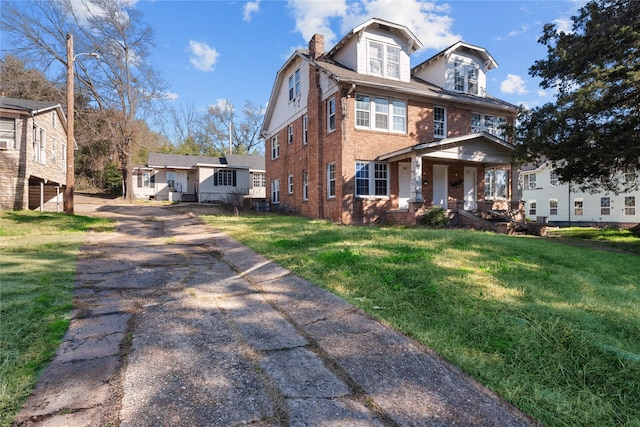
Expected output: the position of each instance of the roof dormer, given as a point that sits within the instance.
(378, 48)
(460, 68)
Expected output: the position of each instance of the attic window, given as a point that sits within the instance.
(465, 77)
(384, 60)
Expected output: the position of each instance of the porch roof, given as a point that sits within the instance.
(476, 147)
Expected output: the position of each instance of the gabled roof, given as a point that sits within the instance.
(28, 106)
(185, 161)
(416, 86)
(486, 57)
(413, 42)
(441, 144)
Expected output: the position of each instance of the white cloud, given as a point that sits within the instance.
(513, 84)
(426, 19)
(170, 96)
(542, 93)
(203, 57)
(222, 104)
(249, 9)
(563, 25)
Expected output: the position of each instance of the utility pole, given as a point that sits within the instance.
(68, 190)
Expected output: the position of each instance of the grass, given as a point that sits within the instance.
(37, 270)
(609, 237)
(553, 328)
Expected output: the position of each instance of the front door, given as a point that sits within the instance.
(470, 184)
(440, 188)
(404, 184)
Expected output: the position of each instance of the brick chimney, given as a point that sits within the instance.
(316, 46)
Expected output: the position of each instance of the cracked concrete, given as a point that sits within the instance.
(178, 324)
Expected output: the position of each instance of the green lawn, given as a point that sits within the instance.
(610, 238)
(37, 270)
(553, 328)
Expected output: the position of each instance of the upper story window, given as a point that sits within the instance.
(465, 77)
(294, 84)
(39, 147)
(530, 181)
(305, 130)
(488, 123)
(275, 148)
(384, 60)
(553, 178)
(331, 115)
(7, 133)
(439, 122)
(289, 134)
(388, 114)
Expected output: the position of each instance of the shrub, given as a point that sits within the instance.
(434, 217)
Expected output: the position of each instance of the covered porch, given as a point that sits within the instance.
(471, 173)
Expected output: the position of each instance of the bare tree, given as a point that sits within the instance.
(223, 130)
(122, 84)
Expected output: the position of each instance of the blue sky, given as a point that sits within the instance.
(209, 50)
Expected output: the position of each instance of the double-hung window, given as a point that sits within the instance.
(275, 148)
(578, 207)
(605, 205)
(439, 122)
(294, 84)
(372, 179)
(144, 179)
(465, 77)
(290, 184)
(275, 191)
(494, 125)
(630, 205)
(259, 180)
(533, 208)
(7, 133)
(305, 185)
(530, 181)
(553, 207)
(553, 178)
(384, 60)
(331, 115)
(305, 130)
(495, 183)
(289, 134)
(389, 115)
(331, 180)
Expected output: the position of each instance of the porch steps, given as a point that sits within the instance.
(188, 197)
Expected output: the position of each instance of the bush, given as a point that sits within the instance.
(434, 217)
(113, 178)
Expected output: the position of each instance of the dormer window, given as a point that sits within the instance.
(384, 60)
(465, 78)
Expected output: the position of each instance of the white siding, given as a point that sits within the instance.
(328, 87)
(386, 38)
(466, 60)
(591, 202)
(434, 73)
(286, 111)
(348, 54)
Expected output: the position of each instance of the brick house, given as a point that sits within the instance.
(33, 154)
(355, 135)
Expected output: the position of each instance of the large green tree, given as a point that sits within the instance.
(591, 133)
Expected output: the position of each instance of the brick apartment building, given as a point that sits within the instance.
(355, 135)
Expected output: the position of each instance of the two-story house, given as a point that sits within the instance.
(355, 135)
(33, 154)
(562, 203)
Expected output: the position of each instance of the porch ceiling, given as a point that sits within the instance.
(479, 147)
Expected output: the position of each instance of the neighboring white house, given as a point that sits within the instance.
(564, 204)
(178, 177)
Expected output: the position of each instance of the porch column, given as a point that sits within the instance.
(416, 178)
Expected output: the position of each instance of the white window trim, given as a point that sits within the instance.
(305, 130)
(290, 184)
(551, 208)
(580, 208)
(331, 113)
(533, 208)
(275, 191)
(371, 112)
(305, 185)
(630, 209)
(444, 122)
(9, 143)
(384, 61)
(275, 148)
(494, 130)
(289, 134)
(331, 178)
(371, 178)
(294, 85)
(605, 205)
